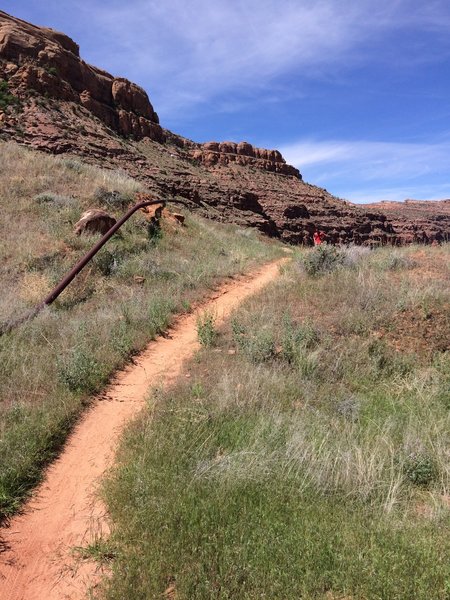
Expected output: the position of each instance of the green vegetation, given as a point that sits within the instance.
(206, 330)
(307, 455)
(6, 98)
(51, 366)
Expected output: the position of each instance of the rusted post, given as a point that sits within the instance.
(81, 264)
(92, 252)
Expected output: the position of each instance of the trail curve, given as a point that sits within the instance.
(37, 561)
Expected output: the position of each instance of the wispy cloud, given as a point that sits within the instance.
(371, 170)
(189, 53)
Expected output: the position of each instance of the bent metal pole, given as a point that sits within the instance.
(80, 265)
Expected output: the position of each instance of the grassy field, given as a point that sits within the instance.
(51, 367)
(307, 454)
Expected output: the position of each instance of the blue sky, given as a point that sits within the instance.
(354, 93)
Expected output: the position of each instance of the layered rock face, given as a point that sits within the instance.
(224, 153)
(49, 63)
(418, 221)
(57, 103)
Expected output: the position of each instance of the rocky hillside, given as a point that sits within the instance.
(51, 100)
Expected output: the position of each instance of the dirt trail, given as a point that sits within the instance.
(38, 561)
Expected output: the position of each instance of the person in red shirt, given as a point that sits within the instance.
(318, 237)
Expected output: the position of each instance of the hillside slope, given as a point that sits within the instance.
(129, 293)
(52, 100)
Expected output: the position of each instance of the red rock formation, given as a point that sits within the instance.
(49, 63)
(224, 153)
(418, 221)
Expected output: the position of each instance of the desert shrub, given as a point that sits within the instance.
(354, 256)
(395, 261)
(51, 70)
(81, 372)
(159, 313)
(112, 199)
(154, 231)
(52, 198)
(322, 259)
(386, 362)
(258, 344)
(349, 408)
(74, 165)
(206, 329)
(106, 262)
(122, 339)
(6, 98)
(296, 338)
(420, 468)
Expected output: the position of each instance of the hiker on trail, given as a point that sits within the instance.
(318, 237)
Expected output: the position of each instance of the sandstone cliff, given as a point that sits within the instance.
(51, 100)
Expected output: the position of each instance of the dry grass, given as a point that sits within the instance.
(307, 455)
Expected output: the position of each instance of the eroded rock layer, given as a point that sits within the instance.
(51, 100)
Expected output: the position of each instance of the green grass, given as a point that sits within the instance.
(6, 98)
(128, 295)
(306, 456)
(206, 329)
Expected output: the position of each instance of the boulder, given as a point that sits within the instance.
(94, 221)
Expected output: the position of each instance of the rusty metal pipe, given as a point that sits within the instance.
(81, 264)
(92, 252)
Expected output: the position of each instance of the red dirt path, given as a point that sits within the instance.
(65, 512)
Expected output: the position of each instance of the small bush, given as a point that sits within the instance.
(51, 70)
(206, 329)
(349, 409)
(80, 372)
(296, 338)
(322, 259)
(396, 262)
(52, 198)
(122, 339)
(74, 165)
(154, 231)
(106, 262)
(420, 469)
(6, 99)
(259, 346)
(159, 314)
(353, 256)
(112, 199)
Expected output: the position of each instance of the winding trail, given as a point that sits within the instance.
(38, 561)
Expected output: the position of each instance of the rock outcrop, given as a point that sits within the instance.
(49, 63)
(53, 101)
(243, 153)
(417, 221)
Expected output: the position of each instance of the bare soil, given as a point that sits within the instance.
(37, 557)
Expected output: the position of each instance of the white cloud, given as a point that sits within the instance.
(372, 170)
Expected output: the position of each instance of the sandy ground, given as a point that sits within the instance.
(38, 560)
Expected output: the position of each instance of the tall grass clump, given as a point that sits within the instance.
(303, 457)
(322, 259)
(206, 329)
